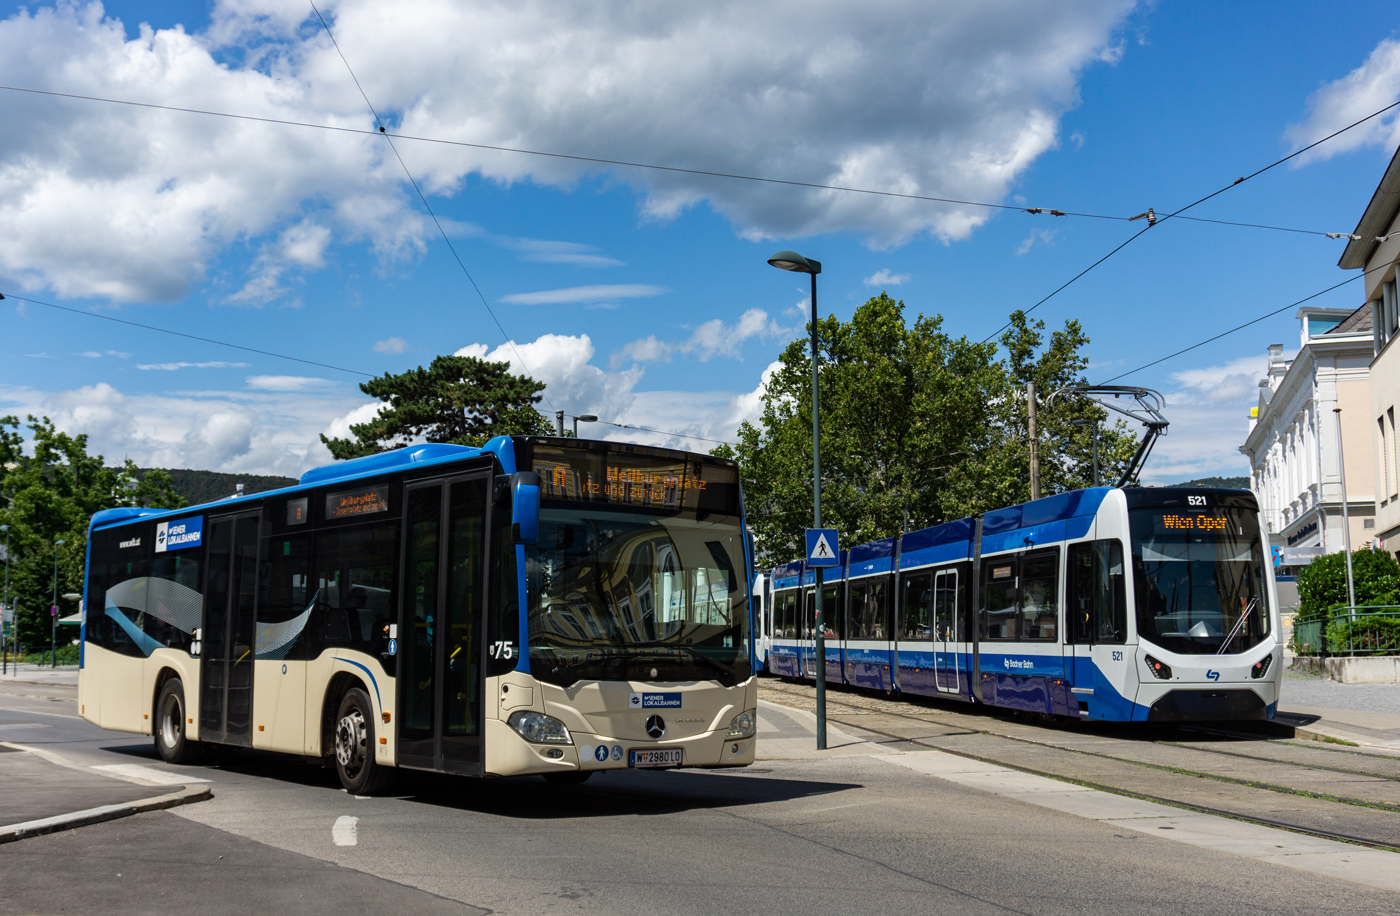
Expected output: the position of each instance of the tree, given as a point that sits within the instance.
(50, 495)
(458, 399)
(1322, 584)
(916, 425)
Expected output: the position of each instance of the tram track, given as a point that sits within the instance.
(1291, 799)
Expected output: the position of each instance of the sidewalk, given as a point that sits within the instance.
(24, 673)
(1364, 714)
(46, 793)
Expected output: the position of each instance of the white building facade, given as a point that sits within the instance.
(1293, 448)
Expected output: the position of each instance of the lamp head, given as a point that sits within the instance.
(1081, 422)
(586, 418)
(4, 527)
(791, 260)
(59, 543)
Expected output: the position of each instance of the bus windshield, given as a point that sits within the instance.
(618, 595)
(1199, 577)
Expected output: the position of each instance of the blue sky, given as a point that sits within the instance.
(645, 297)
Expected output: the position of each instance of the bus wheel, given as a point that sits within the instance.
(354, 746)
(570, 778)
(171, 742)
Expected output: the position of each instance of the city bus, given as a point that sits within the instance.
(538, 605)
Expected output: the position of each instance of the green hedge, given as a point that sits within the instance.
(1373, 634)
(67, 655)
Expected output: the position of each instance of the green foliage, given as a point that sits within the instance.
(67, 655)
(48, 495)
(457, 399)
(1323, 583)
(914, 419)
(199, 487)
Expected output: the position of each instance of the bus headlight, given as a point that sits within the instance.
(538, 728)
(1261, 667)
(743, 725)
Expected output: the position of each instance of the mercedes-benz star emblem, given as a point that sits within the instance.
(656, 727)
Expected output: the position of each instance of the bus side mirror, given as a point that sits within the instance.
(525, 507)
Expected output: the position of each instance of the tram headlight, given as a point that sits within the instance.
(743, 725)
(1160, 670)
(1261, 667)
(538, 728)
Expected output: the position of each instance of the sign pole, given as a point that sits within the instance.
(820, 621)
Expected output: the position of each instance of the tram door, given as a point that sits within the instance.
(808, 650)
(946, 658)
(226, 655)
(441, 626)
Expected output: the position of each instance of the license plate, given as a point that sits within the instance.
(663, 757)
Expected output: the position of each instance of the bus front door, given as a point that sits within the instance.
(440, 682)
(226, 656)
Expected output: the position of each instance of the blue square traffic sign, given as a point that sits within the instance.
(822, 547)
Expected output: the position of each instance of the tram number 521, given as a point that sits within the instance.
(502, 649)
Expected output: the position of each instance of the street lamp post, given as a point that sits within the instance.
(53, 610)
(5, 659)
(791, 260)
(583, 418)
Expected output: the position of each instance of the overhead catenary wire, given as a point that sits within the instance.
(426, 206)
(1153, 223)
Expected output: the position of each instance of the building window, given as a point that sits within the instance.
(1392, 467)
(1384, 455)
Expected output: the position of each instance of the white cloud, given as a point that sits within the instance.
(392, 345)
(251, 432)
(1209, 413)
(885, 278)
(286, 383)
(172, 367)
(711, 339)
(574, 294)
(134, 204)
(575, 254)
(1078, 138)
(1044, 236)
(563, 363)
(1370, 87)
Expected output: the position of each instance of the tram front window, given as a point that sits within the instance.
(1199, 578)
(614, 594)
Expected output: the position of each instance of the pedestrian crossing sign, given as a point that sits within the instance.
(822, 547)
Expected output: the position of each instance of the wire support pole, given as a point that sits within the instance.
(819, 621)
(1034, 440)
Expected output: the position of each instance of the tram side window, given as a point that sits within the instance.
(999, 599)
(945, 603)
(918, 598)
(869, 609)
(286, 598)
(833, 610)
(1040, 606)
(1098, 599)
(356, 578)
(809, 614)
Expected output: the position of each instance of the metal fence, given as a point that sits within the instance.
(1348, 631)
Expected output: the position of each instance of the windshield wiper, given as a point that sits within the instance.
(597, 660)
(1239, 624)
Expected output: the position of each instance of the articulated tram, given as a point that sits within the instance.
(1124, 605)
(535, 606)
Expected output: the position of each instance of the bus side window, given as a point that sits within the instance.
(285, 598)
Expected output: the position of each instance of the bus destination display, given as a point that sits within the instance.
(366, 501)
(623, 479)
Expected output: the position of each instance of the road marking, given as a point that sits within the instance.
(346, 832)
(1372, 867)
(24, 725)
(149, 774)
(35, 712)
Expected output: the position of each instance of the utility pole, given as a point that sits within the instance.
(559, 422)
(1035, 443)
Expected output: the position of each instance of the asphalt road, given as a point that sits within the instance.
(848, 833)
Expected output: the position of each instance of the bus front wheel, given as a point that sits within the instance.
(354, 746)
(172, 743)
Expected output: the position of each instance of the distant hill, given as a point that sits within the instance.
(206, 486)
(1237, 483)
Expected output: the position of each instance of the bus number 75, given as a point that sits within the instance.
(502, 649)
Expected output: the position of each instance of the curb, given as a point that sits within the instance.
(188, 795)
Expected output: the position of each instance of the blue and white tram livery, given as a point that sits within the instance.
(1134, 604)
